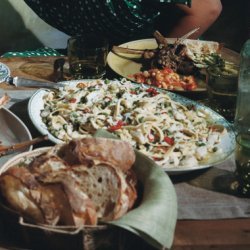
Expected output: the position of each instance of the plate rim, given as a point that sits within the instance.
(174, 170)
(35, 122)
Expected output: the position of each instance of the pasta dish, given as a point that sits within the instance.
(172, 134)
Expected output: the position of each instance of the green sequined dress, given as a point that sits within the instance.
(119, 20)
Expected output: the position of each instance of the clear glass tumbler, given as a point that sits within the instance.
(222, 89)
(87, 56)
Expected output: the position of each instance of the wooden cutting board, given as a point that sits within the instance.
(35, 68)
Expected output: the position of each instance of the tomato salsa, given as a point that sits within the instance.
(166, 78)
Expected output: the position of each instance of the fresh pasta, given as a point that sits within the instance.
(172, 134)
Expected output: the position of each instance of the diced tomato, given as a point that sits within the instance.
(140, 78)
(189, 83)
(166, 78)
(167, 71)
(169, 140)
(118, 125)
(151, 138)
(72, 100)
(152, 91)
(157, 158)
(190, 87)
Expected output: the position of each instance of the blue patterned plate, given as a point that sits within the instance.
(4, 72)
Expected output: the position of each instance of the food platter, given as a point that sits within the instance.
(12, 130)
(227, 145)
(126, 65)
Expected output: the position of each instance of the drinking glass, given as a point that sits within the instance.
(242, 160)
(87, 56)
(222, 89)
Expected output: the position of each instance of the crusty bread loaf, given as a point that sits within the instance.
(74, 184)
(131, 191)
(47, 163)
(83, 208)
(104, 185)
(37, 202)
(18, 197)
(91, 151)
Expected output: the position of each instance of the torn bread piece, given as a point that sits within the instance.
(83, 208)
(91, 151)
(46, 163)
(40, 203)
(57, 191)
(105, 186)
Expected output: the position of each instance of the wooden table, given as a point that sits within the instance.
(212, 234)
(190, 234)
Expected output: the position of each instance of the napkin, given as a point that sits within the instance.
(155, 218)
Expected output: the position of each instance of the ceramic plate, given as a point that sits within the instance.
(125, 67)
(227, 144)
(12, 130)
(4, 72)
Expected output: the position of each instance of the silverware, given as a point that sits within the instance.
(6, 150)
(23, 82)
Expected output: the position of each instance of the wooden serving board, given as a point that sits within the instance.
(35, 68)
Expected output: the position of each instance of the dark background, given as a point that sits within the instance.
(232, 28)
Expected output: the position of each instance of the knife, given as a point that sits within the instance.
(23, 82)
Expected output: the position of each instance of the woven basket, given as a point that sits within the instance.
(32, 236)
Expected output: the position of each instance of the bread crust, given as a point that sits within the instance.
(91, 151)
(39, 203)
(74, 184)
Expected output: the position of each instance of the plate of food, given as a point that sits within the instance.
(169, 63)
(179, 134)
(12, 130)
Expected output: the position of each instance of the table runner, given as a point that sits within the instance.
(203, 194)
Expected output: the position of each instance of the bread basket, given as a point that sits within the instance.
(33, 236)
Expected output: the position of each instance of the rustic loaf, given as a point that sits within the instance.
(92, 151)
(78, 183)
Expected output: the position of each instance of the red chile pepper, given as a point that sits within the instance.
(189, 86)
(157, 158)
(169, 140)
(151, 138)
(118, 125)
(72, 100)
(167, 71)
(152, 91)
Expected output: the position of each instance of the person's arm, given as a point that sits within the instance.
(202, 14)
